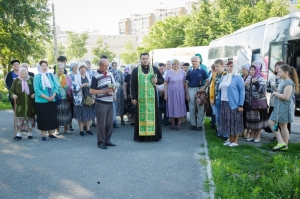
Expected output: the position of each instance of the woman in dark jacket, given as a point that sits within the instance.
(23, 93)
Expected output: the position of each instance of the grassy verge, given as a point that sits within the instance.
(4, 102)
(250, 172)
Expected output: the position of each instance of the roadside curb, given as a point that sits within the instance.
(208, 168)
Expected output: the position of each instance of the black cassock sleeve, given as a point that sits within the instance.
(134, 84)
(160, 79)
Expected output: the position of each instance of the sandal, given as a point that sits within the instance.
(278, 147)
(172, 126)
(122, 122)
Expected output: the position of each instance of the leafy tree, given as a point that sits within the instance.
(130, 54)
(102, 49)
(50, 52)
(23, 30)
(167, 33)
(76, 45)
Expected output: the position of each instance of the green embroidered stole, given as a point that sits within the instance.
(146, 103)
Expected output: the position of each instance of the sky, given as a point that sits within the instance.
(104, 15)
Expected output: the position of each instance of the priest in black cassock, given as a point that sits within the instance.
(144, 95)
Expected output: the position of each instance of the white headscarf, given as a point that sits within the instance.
(228, 77)
(44, 77)
(78, 75)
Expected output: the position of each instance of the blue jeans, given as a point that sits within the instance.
(216, 110)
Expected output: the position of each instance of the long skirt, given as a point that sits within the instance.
(231, 121)
(84, 113)
(257, 120)
(25, 123)
(64, 115)
(46, 116)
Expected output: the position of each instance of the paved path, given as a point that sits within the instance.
(74, 167)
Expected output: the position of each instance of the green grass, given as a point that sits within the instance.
(250, 172)
(4, 102)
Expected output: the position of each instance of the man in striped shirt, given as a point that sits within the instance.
(104, 103)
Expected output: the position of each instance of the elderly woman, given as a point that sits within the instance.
(129, 107)
(26, 66)
(45, 88)
(23, 93)
(64, 114)
(175, 94)
(232, 95)
(73, 69)
(245, 74)
(255, 86)
(81, 86)
(119, 104)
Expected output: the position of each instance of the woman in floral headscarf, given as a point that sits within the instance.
(64, 115)
(81, 88)
(23, 93)
(256, 120)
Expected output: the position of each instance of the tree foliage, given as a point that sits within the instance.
(23, 30)
(211, 20)
(50, 52)
(102, 49)
(76, 45)
(168, 33)
(130, 55)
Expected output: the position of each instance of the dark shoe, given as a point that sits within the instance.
(30, 137)
(81, 133)
(199, 128)
(172, 126)
(193, 127)
(132, 124)
(122, 122)
(17, 138)
(102, 146)
(94, 125)
(89, 132)
(224, 138)
(110, 144)
(44, 139)
(52, 136)
(71, 128)
(115, 125)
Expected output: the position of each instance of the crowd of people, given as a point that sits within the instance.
(154, 96)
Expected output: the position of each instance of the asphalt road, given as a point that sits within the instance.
(74, 167)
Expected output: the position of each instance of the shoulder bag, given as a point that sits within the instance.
(257, 104)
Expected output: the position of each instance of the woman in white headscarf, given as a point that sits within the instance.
(22, 91)
(46, 88)
(232, 95)
(81, 87)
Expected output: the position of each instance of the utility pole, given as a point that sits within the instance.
(54, 33)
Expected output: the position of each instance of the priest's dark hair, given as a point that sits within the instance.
(103, 57)
(62, 58)
(144, 54)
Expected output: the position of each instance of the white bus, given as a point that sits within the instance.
(269, 41)
(183, 54)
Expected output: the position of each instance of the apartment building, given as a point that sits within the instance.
(140, 24)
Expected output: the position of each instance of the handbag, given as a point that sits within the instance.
(257, 104)
(58, 99)
(88, 101)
